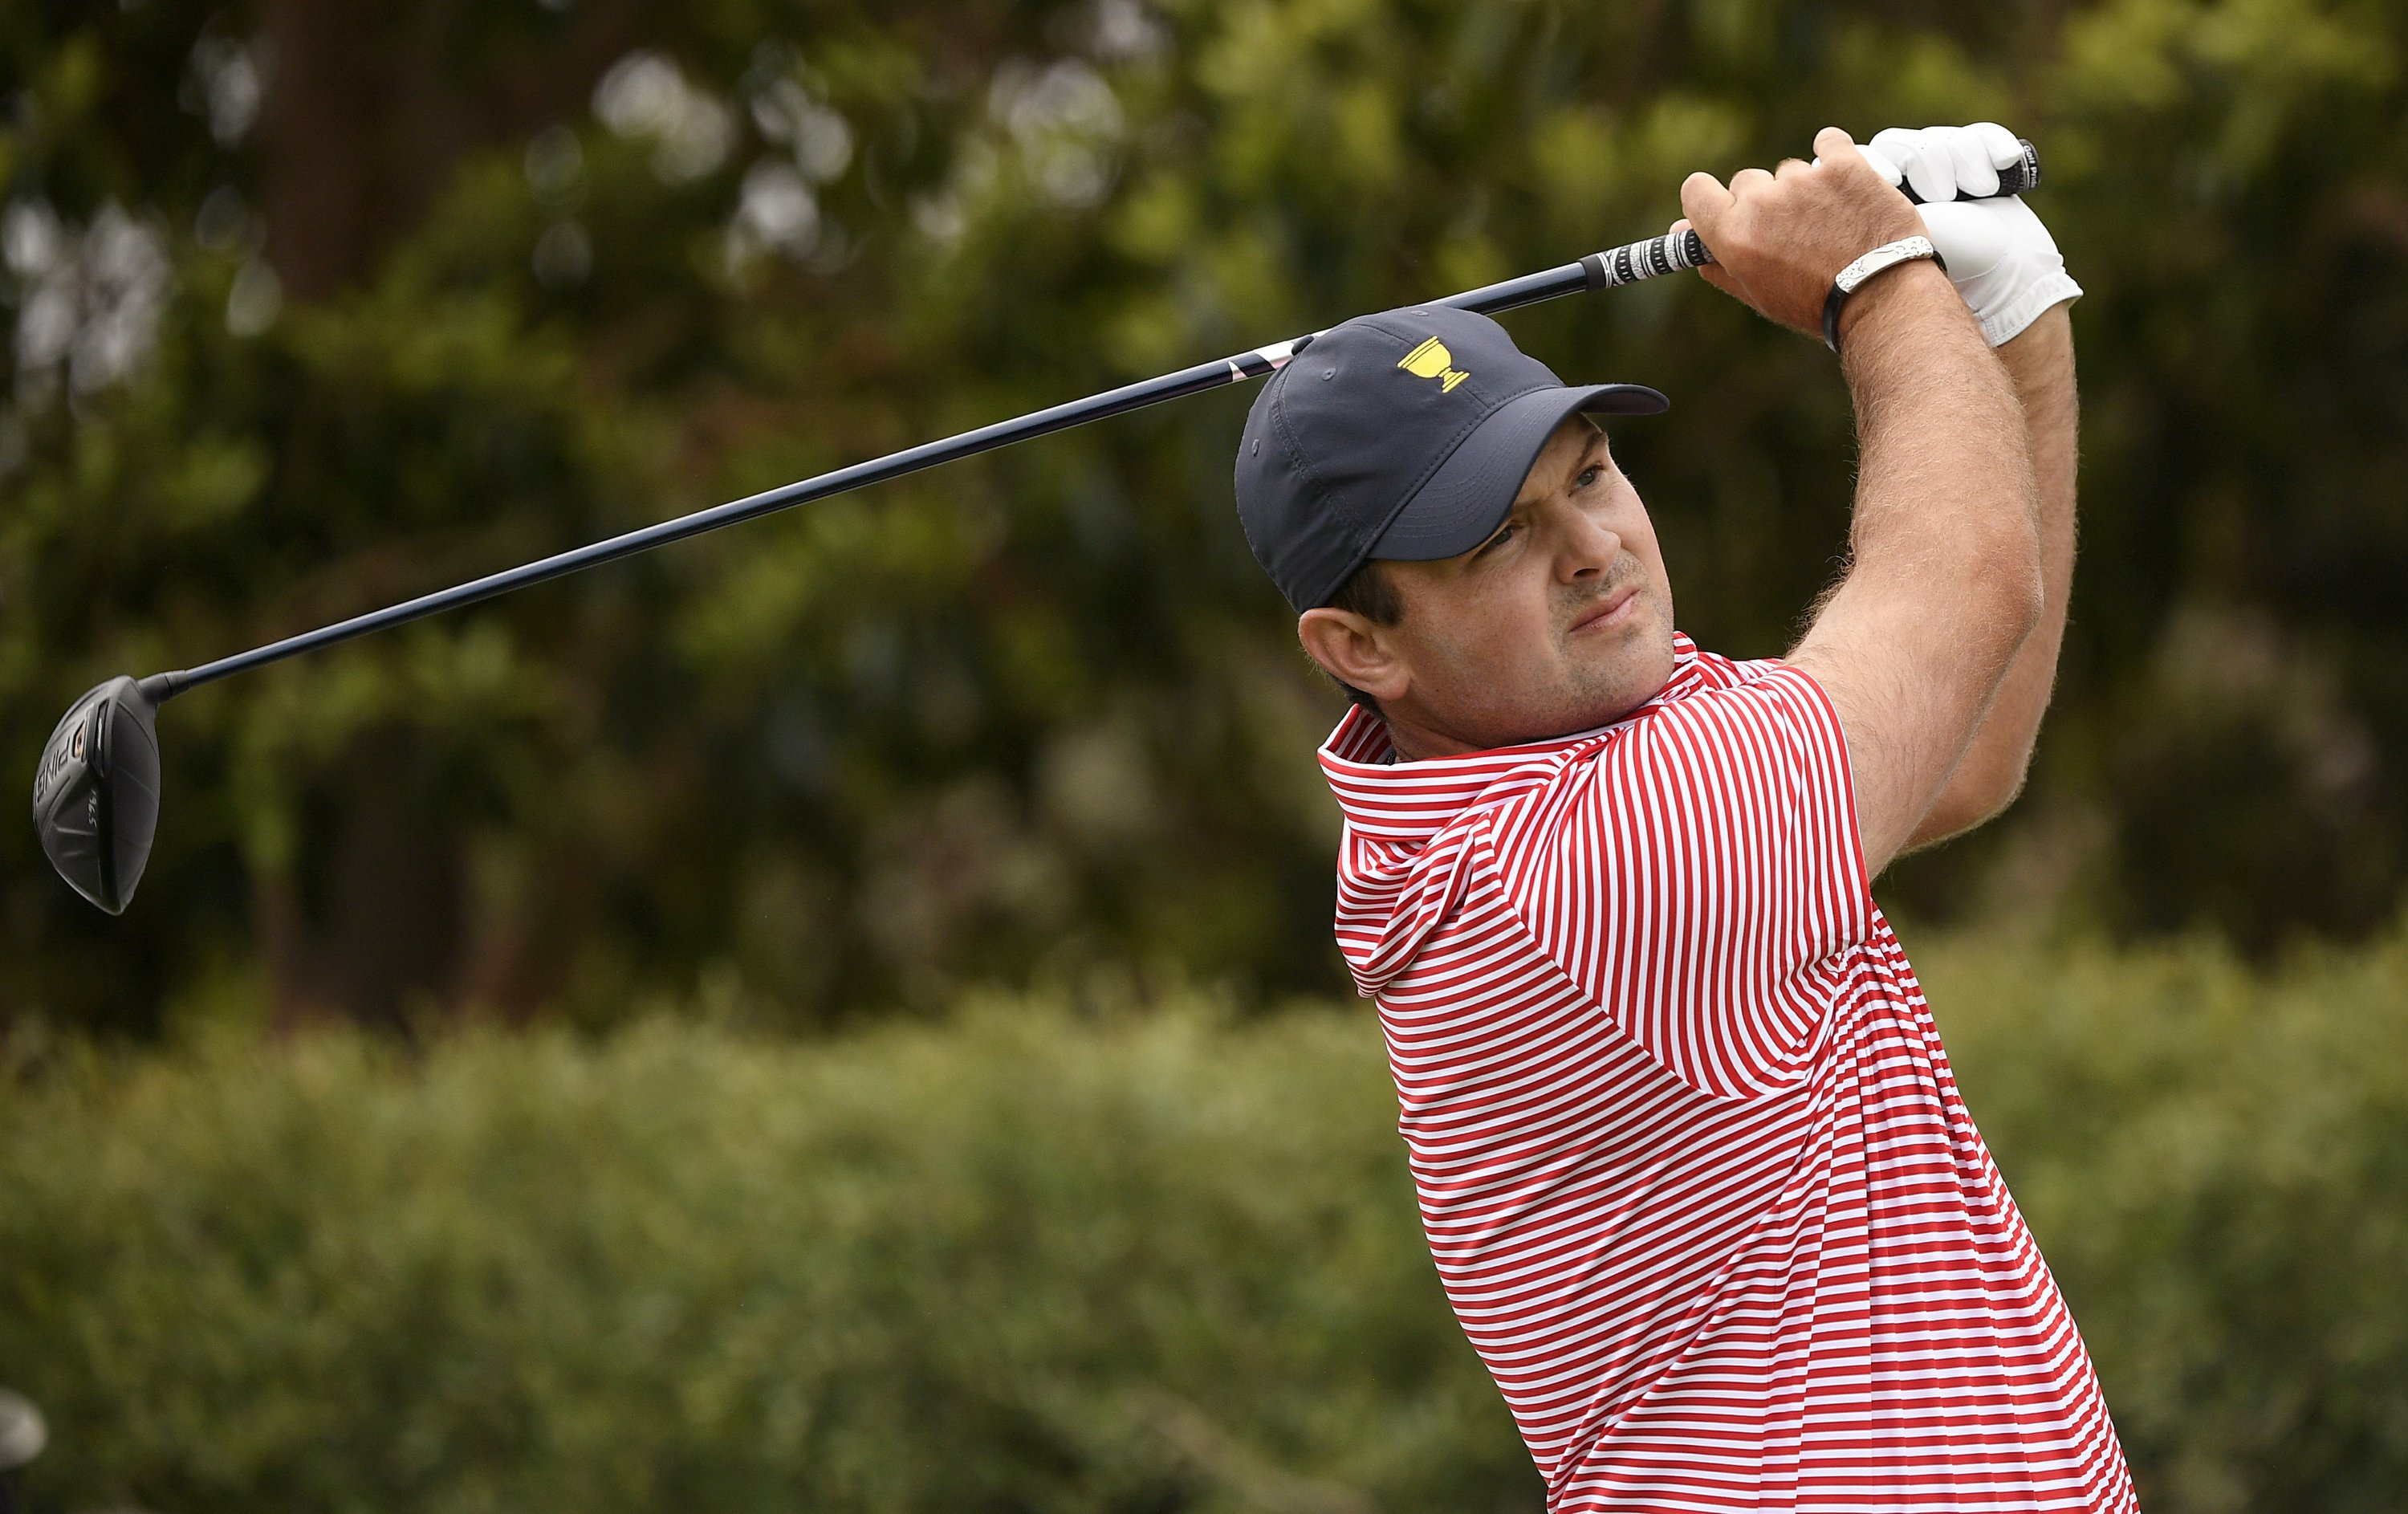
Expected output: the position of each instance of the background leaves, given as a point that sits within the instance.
(305, 320)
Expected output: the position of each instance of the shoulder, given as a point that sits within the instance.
(1710, 693)
(1700, 674)
(1713, 671)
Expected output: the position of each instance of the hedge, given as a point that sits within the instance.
(1032, 1261)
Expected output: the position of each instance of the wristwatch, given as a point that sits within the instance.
(1888, 255)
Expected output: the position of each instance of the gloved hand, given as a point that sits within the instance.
(2000, 257)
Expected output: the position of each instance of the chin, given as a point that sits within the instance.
(1586, 711)
(1635, 672)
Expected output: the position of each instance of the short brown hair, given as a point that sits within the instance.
(1370, 593)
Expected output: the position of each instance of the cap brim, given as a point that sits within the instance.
(1468, 495)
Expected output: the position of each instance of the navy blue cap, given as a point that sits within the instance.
(1403, 435)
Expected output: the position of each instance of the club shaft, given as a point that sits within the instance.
(1238, 368)
(877, 470)
(1648, 259)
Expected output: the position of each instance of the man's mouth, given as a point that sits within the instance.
(1608, 612)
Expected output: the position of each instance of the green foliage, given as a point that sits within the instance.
(1037, 1260)
(1024, 1263)
(1040, 712)
(2215, 1165)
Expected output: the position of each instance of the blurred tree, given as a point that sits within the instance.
(308, 318)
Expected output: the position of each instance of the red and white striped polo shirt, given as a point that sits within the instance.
(1692, 1164)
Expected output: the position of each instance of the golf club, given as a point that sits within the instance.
(96, 789)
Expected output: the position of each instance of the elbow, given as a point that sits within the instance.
(1993, 786)
(2029, 575)
(2008, 592)
(1983, 789)
(2027, 603)
(2024, 570)
(2021, 573)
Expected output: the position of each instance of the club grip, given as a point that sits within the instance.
(1650, 259)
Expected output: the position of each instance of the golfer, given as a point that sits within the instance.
(1691, 1157)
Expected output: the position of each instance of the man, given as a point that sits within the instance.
(1691, 1160)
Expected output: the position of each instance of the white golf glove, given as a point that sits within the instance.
(2000, 257)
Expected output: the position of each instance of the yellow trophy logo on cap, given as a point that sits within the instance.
(1431, 360)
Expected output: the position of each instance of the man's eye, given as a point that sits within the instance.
(1503, 534)
(1591, 474)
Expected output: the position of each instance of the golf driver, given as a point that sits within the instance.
(96, 790)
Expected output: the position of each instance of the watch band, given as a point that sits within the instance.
(1888, 255)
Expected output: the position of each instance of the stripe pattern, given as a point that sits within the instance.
(1693, 1166)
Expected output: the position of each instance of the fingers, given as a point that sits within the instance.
(1706, 201)
(1904, 148)
(1877, 163)
(1711, 273)
(1976, 177)
(1890, 173)
(1832, 144)
(2003, 148)
(1946, 163)
(1703, 202)
(1895, 143)
(1924, 160)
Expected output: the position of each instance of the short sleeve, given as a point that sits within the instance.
(1701, 875)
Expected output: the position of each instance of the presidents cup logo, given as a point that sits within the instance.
(1431, 360)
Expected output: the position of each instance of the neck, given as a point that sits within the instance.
(1417, 739)
(1417, 742)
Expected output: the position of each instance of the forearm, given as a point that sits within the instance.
(2040, 363)
(1943, 482)
(1944, 586)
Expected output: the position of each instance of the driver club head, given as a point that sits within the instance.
(96, 792)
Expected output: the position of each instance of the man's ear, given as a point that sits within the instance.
(1353, 650)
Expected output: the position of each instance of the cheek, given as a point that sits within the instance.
(1481, 636)
(1629, 519)
(1512, 634)
(1638, 533)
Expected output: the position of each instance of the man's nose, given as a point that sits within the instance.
(1589, 547)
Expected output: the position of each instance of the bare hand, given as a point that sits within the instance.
(1778, 238)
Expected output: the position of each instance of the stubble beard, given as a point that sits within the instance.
(1609, 681)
